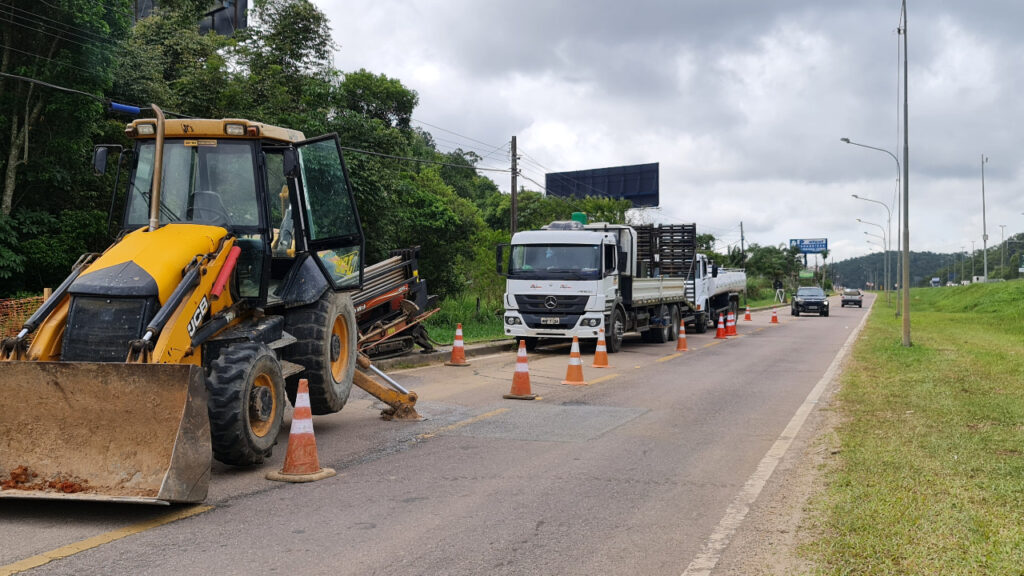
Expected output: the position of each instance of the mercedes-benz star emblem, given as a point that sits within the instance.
(550, 302)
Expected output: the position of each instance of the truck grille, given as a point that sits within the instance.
(99, 329)
(555, 305)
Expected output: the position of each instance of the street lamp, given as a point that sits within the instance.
(984, 229)
(899, 262)
(973, 271)
(1002, 240)
(885, 249)
(888, 221)
(963, 260)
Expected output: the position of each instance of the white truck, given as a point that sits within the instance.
(573, 279)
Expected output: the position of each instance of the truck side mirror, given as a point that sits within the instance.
(609, 259)
(99, 160)
(500, 258)
(622, 267)
(290, 162)
(714, 270)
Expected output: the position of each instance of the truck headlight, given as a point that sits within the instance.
(512, 320)
(592, 322)
(826, 302)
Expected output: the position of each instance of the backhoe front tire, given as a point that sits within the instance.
(246, 403)
(326, 346)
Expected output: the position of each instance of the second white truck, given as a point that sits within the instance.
(573, 279)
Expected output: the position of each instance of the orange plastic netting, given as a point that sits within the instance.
(15, 311)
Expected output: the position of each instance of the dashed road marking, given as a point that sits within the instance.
(463, 423)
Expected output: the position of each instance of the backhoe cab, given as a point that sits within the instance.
(228, 282)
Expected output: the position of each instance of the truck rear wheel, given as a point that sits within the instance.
(674, 329)
(246, 403)
(616, 327)
(659, 332)
(326, 347)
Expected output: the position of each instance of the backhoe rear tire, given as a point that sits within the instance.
(246, 403)
(326, 346)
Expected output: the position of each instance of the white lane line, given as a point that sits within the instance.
(719, 540)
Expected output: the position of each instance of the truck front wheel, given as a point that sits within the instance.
(616, 327)
(674, 329)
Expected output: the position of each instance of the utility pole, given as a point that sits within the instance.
(984, 227)
(515, 172)
(1002, 240)
(743, 249)
(973, 271)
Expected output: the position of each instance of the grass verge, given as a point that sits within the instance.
(930, 478)
(479, 323)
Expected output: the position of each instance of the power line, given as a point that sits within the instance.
(421, 160)
(455, 133)
(60, 36)
(87, 34)
(104, 101)
(57, 62)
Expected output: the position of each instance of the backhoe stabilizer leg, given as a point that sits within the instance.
(401, 406)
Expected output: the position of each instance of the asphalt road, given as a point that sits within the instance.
(630, 474)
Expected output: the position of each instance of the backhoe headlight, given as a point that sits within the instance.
(146, 129)
(234, 129)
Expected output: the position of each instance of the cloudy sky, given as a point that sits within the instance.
(743, 104)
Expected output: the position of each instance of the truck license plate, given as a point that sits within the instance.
(550, 320)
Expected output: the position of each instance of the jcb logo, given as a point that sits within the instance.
(197, 316)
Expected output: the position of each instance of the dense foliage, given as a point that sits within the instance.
(279, 71)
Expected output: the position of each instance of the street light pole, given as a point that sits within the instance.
(888, 221)
(984, 228)
(963, 259)
(906, 192)
(885, 243)
(899, 264)
(1002, 240)
(973, 271)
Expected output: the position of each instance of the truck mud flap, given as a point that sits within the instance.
(103, 431)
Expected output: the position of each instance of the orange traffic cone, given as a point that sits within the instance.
(574, 375)
(681, 340)
(521, 379)
(601, 352)
(720, 333)
(300, 462)
(746, 317)
(775, 317)
(458, 349)
(730, 324)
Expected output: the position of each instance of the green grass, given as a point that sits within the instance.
(930, 477)
(477, 326)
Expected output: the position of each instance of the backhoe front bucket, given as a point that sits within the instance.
(104, 431)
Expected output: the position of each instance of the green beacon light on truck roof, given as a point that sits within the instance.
(580, 217)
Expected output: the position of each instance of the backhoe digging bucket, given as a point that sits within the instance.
(103, 431)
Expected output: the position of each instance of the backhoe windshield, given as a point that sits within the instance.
(557, 261)
(206, 181)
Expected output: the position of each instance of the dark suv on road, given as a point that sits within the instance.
(810, 299)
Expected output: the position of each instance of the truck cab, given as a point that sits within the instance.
(563, 280)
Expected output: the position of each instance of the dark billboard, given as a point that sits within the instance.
(637, 183)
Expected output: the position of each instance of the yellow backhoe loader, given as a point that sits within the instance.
(228, 282)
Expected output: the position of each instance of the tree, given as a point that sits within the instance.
(69, 43)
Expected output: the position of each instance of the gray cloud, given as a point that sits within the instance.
(742, 103)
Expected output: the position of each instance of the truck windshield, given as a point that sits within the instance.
(556, 261)
(206, 181)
